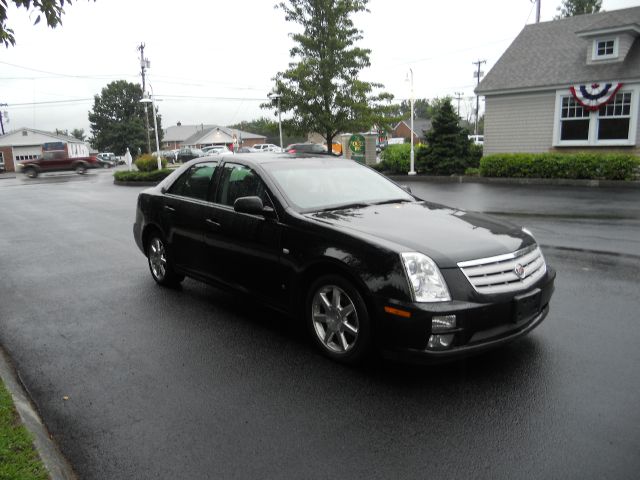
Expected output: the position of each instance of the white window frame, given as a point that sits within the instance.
(594, 50)
(592, 140)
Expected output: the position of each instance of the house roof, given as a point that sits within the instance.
(215, 134)
(16, 138)
(554, 53)
(203, 134)
(420, 125)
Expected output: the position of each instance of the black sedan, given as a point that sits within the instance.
(365, 264)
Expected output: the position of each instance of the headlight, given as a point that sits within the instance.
(425, 279)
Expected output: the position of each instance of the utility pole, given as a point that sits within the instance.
(2, 117)
(458, 98)
(144, 64)
(538, 2)
(478, 74)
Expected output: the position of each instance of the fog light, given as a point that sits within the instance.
(440, 342)
(443, 324)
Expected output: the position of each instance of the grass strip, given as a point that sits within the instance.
(18, 458)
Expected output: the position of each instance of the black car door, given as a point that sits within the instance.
(243, 249)
(183, 216)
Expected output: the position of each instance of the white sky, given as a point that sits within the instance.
(212, 61)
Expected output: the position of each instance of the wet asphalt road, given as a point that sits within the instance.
(198, 383)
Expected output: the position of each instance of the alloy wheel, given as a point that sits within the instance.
(157, 259)
(335, 319)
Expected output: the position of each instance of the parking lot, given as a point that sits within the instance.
(199, 383)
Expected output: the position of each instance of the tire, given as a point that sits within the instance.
(81, 169)
(160, 262)
(338, 320)
(31, 172)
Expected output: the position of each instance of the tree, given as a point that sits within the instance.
(51, 9)
(78, 133)
(117, 119)
(570, 8)
(322, 88)
(421, 108)
(448, 143)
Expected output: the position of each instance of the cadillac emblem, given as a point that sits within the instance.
(519, 271)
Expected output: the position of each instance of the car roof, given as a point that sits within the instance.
(268, 157)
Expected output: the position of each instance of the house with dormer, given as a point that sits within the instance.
(566, 85)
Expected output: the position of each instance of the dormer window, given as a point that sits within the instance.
(605, 48)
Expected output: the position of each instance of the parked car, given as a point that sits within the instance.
(187, 153)
(314, 148)
(267, 147)
(217, 150)
(247, 150)
(57, 161)
(477, 139)
(362, 262)
(107, 160)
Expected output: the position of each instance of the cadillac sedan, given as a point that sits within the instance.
(362, 262)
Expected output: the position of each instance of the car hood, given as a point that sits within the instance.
(445, 234)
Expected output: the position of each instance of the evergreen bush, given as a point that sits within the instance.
(148, 163)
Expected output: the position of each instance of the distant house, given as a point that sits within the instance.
(206, 135)
(420, 128)
(567, 84)
(29, 143)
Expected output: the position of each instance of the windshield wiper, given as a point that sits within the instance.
(344, 207)
(394, 200)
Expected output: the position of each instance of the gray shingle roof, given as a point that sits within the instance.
(197, 134)
(550, 54)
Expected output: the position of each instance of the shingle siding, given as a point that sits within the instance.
(519, 123)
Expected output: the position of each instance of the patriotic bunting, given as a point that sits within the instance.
(594, 96)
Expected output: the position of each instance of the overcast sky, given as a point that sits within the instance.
(213, 61)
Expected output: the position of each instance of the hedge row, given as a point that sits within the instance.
(133, 176)
(594, 166)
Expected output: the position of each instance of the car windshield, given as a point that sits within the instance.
(314, 184)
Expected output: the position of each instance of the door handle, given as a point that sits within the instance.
(213, 223)
(169, 209)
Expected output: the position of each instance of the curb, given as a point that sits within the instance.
(57, 466)
(561, 182)
(123, 183)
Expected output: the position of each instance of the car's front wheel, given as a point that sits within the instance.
(338, 319)
(160, 263)
(81, 169)
(31, 172)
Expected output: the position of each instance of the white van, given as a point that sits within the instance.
(477, 139)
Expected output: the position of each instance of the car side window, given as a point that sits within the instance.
(240, 181)
(194, 183)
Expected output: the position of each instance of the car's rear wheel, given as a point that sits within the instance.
(338, 319)
(81, 169)
(160, 262)
(31, 172)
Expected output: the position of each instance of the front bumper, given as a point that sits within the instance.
(480, 325)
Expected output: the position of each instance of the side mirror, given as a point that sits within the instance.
(407, 188)
(252, 206)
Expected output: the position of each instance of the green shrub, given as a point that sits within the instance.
(148, 163)
(472, 172)
(153, 176)
(395, 158)
(596, 165)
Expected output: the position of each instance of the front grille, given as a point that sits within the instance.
(498, 274)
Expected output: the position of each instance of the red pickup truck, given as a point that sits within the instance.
(57, 161)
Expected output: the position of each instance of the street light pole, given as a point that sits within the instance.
(155, 123)
(411, 168)
(277, 96)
